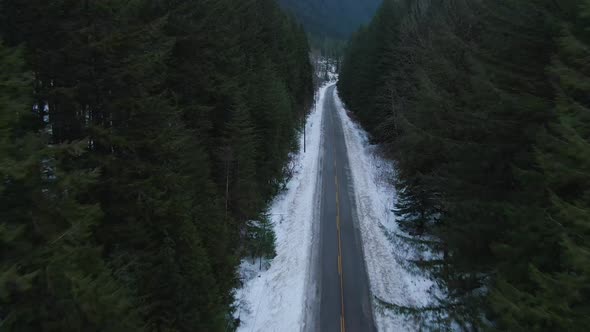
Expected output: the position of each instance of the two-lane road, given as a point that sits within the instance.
(344, 288)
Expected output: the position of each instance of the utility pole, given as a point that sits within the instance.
(304, 125)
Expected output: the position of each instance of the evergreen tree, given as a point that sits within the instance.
(240, 142)
(480, 105)
(110, 170)
(50, 263)
(555, 296)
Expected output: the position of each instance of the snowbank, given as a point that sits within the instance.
(392, 278)
(276, 299)
(280, 298)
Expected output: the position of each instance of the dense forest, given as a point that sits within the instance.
(137, 138)
(484, 108)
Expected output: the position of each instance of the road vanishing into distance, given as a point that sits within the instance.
(345, 303)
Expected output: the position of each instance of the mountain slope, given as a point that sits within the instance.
(336, 19)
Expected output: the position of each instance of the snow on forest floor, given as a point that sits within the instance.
(392, 278)
(275, 299)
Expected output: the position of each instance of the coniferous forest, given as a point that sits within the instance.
(137, 138)
(483, 106)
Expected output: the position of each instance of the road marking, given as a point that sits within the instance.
(337, 203)
(342, 328)
(342, 325)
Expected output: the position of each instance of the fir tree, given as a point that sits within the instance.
(117, 214)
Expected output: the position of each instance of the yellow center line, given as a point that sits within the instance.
(337, 202)
(339, 265)
(342, 325)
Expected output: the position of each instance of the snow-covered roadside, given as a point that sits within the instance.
(275, 299)
(391, 278)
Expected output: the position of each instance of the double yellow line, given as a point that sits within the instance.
(342, 324)
(342, 327)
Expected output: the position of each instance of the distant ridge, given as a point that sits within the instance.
(335, 19)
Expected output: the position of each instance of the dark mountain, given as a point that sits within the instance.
(336, 19)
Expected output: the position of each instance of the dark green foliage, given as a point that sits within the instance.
(556, 294)
(261, 241)
(132, 156)
(483, 107)
(328, 47)
(50, 263)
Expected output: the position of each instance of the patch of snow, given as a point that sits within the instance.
(275, 299)
(392, 278)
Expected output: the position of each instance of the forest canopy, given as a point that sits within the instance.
(483, 106)
(137, 139)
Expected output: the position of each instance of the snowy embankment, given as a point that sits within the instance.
(275, 299)
(392, 278)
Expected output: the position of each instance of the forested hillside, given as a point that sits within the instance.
(334, 19)
(483, 106)
(137, 138)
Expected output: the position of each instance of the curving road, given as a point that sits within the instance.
(343, 285)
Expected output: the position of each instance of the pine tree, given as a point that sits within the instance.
(240, 141)
(556, 294)
(50, 263)
(475, 102)
(113, 173)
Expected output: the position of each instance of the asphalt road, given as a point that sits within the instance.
(344, 288)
